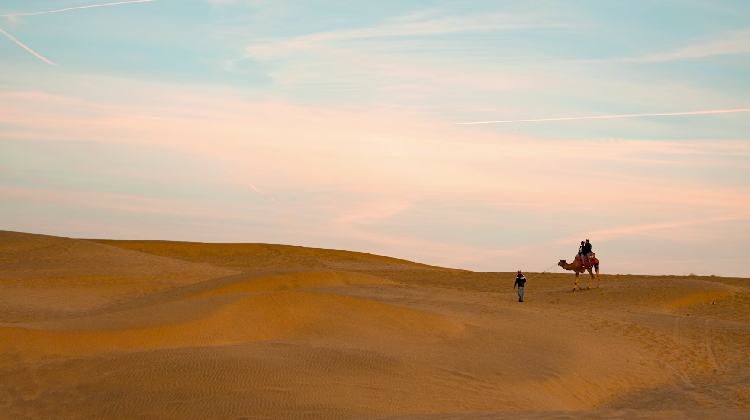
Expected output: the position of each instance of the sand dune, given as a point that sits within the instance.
(267, 316)
(156, 329)
(46, 277)
(264, 256)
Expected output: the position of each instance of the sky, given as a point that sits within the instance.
(343, 124)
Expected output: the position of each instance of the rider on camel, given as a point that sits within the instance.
(587, 251)
(581, 255)
(584, 251)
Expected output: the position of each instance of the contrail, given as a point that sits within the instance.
(77, 7)
(37, 55)
(608, 117)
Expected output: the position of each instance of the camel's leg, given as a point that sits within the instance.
(592, 278)
(577, 285)
(598, 279)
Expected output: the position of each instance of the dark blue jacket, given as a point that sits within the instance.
(520, 281)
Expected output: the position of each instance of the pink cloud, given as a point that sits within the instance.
(379, 151)
(394, 159)
(664, 229)
(129, 203)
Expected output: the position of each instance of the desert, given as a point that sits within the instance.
(158, 329)
(373, 210)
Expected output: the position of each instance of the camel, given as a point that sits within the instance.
(577, 267)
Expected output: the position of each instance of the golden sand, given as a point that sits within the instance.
(171, 330)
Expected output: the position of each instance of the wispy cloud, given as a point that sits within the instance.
(621, 232)
(608, 117)
(370, 176)
(91, 6)
(254, 188)
(25, 47)
(410, 26)
(112, 201)
(737, 42)
(392, 58)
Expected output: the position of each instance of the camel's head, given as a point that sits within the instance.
(562, 263)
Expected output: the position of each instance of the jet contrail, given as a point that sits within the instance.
(37, 55)
(77, 7)
(607, 117)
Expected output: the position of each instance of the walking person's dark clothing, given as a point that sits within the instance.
(520, 282)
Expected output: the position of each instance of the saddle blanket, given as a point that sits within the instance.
(592, 261)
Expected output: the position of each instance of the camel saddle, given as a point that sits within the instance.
(592, 261)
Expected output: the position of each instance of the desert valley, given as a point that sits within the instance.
(174, 330)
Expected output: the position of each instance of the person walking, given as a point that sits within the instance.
(520, 282)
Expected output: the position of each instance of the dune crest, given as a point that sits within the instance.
(285, 315)
(291, 281)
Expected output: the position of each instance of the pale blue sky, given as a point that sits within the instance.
(332, 124)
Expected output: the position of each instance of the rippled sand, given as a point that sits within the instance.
(170, 330)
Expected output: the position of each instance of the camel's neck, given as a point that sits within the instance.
(572, 266)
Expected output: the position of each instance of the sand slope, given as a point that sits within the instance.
(252, 257)
(46, 277)
(142, 329)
